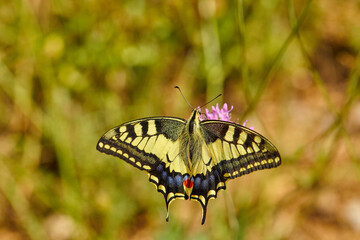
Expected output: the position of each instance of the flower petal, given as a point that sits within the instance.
(217, 113)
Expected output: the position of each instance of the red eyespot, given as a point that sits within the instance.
(188, 182)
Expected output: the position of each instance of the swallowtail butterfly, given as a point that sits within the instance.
(189, 159)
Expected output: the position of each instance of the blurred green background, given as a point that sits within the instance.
(71, 70)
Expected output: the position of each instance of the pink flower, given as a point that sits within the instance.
(244, 123)
(219, 114)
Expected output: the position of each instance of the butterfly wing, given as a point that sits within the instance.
(151, 144)
(229, 151)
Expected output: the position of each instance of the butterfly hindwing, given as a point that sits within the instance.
(150, 144)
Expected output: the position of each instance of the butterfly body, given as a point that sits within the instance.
(189, 159)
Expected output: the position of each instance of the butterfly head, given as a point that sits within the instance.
(194, 120)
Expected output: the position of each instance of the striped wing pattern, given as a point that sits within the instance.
(234, 151)
(148, 144)
(156, 145)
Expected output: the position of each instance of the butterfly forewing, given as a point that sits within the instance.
(239, 149)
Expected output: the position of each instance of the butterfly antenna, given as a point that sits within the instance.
(184, 96)
(211, 100)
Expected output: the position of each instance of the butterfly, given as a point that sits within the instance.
(189, 159)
